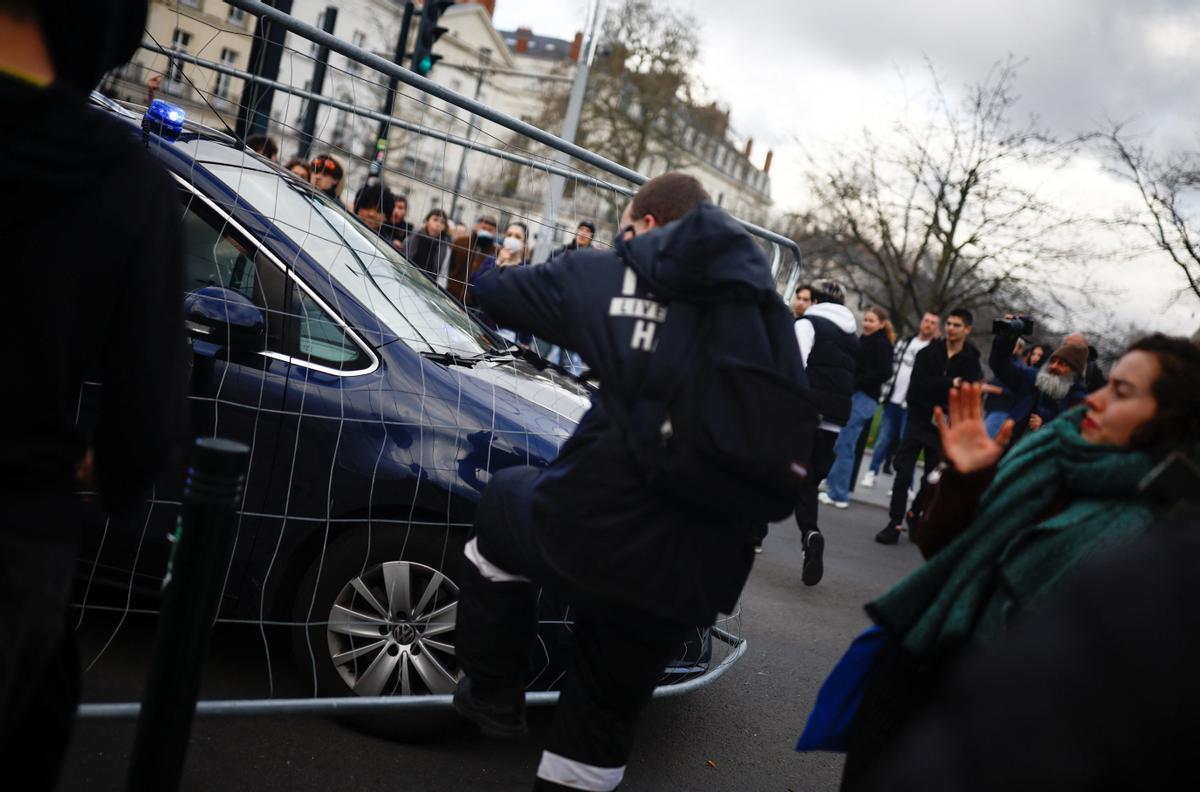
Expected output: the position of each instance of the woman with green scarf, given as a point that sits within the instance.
(1002, 534)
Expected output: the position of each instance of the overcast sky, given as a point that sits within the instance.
(813, 74)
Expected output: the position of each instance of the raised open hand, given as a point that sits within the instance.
(965, 441)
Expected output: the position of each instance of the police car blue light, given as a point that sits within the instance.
(164, 119)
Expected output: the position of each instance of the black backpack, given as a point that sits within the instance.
(721, 422)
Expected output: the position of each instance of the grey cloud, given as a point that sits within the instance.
(1086, 59)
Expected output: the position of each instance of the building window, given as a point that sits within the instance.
(342, 128)
(190, 3)
(228, 58)
(313, 47)
(236, 16)
(358, 39)
(180, 40)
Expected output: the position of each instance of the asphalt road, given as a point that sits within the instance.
(736, 734)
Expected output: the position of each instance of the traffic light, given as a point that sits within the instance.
(427, 34)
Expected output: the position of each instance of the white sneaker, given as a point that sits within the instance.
(868, 479)
(828, 501)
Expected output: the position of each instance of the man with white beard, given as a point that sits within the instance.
(1039, 394)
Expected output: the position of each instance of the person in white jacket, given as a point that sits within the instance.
(829, 346)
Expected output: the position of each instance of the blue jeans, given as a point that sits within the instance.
(891, 429)
(862, 410)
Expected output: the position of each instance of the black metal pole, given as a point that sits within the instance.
(192, 589)
(266, 52)
(389, 101)
(318, 84)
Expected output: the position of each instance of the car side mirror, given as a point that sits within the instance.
(224, 317)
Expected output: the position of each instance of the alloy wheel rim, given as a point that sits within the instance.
(391, 631)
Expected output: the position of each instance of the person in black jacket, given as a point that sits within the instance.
(106, 310)
(428, 246)
(397, 229)
(873, 370)
(942, 365)
(373, 204)
(643, 570)
(829, 349)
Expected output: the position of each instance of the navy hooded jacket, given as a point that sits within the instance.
(1021, 380)
(603, 528)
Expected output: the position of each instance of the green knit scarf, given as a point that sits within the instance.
(1006, 560)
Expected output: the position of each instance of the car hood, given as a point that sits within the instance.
(546, 388)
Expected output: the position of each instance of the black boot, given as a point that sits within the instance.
(812, 569)
(496, 716)
(889, 535)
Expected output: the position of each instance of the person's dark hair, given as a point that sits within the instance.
(433, 213)
(1045, 358)
(1176, 422)
(404, 200)
(828, 291)
(263, 144)
(487, 219)
(588, 224)
(295, 162)
(669, 197)
(802, 287)
(964, 314)
(376, 196)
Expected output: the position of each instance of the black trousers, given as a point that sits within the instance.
(818, 469)
(39, 672)
(916, 439)
(619, 651)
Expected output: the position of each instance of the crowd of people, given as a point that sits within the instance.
(902, 382)
(1043, 589)
(440, 247)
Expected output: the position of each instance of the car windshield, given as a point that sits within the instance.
(398, 294)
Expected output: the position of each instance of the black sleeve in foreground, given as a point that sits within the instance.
(1096, 690)
(529, 298)
(143, 408)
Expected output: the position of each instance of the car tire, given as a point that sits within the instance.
(380, 607)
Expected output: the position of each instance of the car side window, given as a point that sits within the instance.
(321, 340)
(216, 255)
(297, 326)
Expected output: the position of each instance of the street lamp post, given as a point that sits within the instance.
(556, 184)
(485, 55)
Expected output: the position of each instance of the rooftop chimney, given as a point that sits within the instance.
(490, 5)
(767, 164)
(523, 35)
(749, 147)
(576, 47)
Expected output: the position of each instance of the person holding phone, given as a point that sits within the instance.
(512, 253)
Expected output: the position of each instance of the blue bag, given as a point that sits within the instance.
(828, 727)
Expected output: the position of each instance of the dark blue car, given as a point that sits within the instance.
(375, 408)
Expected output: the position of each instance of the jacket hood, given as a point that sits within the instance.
(840, 315)
(702, 255)
(86, 38)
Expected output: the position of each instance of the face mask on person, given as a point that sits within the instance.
(513, 244)
(484, 238)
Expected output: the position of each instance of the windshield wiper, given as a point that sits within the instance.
(452, 359)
